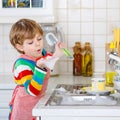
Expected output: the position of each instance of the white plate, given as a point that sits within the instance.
(107, 90)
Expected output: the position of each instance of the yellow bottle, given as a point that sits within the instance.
(110, 72)
(87, 61)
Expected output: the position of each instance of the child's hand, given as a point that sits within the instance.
(41, 65)
(58, 49)
(60, 45)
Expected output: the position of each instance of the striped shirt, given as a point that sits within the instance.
(27, 74)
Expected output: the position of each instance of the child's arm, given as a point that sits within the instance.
(49, 61)
(26, 73)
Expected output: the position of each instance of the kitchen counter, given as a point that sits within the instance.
(72, 112)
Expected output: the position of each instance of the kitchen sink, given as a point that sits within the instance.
(74, 95)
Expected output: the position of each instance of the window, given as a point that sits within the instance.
(38, 9)
(23, 3)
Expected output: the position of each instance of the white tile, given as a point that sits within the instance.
(6, 40)
(73, 15)
(72, 39)
(1, 67)
(100, 15)
(113, 4)
(1, 39)
(87, 3)
(100, 3)
(6, 29)
(87, 28)
(100, 28)
(74, 28)
(11, 55)
(73, 4)
(113, 14)
(100, 40)
(99, 53)
(64, 26)
(86, 15)
(8, 68)
(61, 3)
(99, 66)
(1, 29)
(87, 38)
(62, 15)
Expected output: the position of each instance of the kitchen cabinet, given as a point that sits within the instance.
(6, 91)
(42, 11)
(80, 118)
(5, 96)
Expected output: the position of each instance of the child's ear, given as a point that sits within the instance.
(19, 47)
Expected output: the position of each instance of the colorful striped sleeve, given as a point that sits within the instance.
(31, 77)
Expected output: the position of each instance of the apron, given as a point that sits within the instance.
(22, 103)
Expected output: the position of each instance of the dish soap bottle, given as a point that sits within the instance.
(87, 61)
(110, 64)
(77, 61)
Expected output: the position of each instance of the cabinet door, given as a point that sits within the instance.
(4, 114)
(5, 97)
(80, 118)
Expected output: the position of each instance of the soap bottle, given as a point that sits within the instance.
(110, 64)
(87, 61)
(77, 61)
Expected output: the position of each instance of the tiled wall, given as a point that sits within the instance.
(89, 20)
(7, 52)
(81, 20)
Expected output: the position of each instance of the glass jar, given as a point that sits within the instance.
(87, 61)
(77, 61)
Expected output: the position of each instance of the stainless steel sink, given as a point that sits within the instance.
(74, 95)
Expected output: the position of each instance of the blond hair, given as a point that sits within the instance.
(24, 29)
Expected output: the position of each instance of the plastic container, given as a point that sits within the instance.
(110, 78)
(98, 84)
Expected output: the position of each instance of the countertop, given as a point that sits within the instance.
(65, 111)
(7, 82)
(81, 111)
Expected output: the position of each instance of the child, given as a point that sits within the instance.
(30, 75)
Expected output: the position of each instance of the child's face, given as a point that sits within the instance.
(33, 47)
